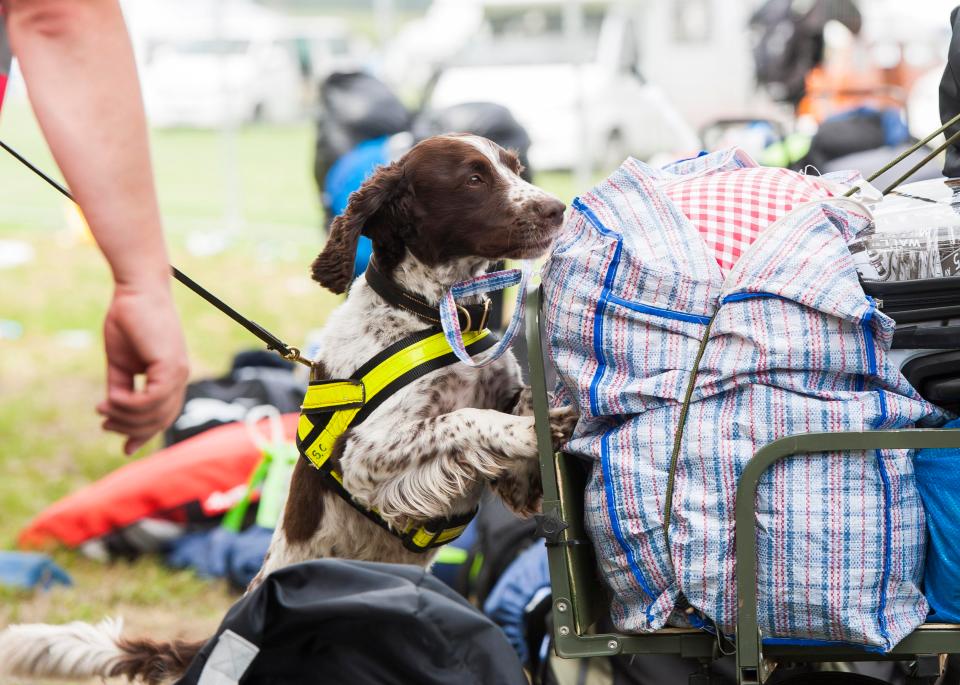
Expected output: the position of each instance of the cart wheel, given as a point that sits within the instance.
(831, 678)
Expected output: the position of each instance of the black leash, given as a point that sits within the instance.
(269, 339)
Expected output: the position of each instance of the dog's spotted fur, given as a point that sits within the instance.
(442, 214)
(426, 452)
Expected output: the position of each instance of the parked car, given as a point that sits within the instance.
(211, 62)
(576, 92)
(207, 82)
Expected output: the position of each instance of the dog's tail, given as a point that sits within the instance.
(84, 650)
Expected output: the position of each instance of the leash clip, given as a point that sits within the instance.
(292, 354)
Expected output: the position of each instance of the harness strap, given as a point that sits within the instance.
(331, 395)
(332, 407)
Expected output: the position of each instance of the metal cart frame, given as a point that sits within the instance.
(579, 600)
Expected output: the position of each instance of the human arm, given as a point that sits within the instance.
(77, 61)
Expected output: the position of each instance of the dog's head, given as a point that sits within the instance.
(449, 197)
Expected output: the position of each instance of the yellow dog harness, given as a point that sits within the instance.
(331, 407)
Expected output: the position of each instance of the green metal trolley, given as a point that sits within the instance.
(579, 600)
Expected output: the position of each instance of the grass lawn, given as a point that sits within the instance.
(52, 374)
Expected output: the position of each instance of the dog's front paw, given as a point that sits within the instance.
(523, 405)
(562, 422)
(521, 489)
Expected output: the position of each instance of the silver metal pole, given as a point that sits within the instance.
(228, 139)
(573, 30)
(385, 19)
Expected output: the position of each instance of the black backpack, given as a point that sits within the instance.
(788, 41)
(354, 107)
(950, 96)
(347, 622)
(856, 130)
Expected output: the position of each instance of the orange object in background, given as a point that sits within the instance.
(849, 78)
(834, 90)
(202, 476)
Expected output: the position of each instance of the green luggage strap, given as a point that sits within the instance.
(331, 407)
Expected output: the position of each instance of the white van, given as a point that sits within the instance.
(579, 92)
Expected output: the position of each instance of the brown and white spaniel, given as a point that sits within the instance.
(441, 214)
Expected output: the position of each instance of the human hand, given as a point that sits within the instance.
(142, 335)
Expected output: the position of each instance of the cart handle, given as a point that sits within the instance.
(751, 668)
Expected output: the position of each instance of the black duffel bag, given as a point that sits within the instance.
(354, 107)
(487, 119)
(256, 378)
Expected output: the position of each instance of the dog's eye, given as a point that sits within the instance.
(475, 180)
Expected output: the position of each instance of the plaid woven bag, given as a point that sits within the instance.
(790, 345)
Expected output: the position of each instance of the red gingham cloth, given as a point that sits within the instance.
(731, 208)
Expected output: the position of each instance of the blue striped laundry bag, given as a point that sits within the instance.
(792, 346)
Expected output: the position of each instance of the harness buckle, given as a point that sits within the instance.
(486, 314)
(466, 314)
(423, 537)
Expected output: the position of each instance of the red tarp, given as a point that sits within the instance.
(200, 469)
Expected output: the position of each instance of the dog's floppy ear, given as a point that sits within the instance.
(333, 267)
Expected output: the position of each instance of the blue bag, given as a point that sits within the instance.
(519, 586)
(938, 479)
(346, 175)
(222, 553)
(30, 570)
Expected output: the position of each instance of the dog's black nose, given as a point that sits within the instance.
(551, 210)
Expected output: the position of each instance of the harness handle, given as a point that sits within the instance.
(272, 342)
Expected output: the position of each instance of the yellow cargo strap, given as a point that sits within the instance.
(331, 407)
